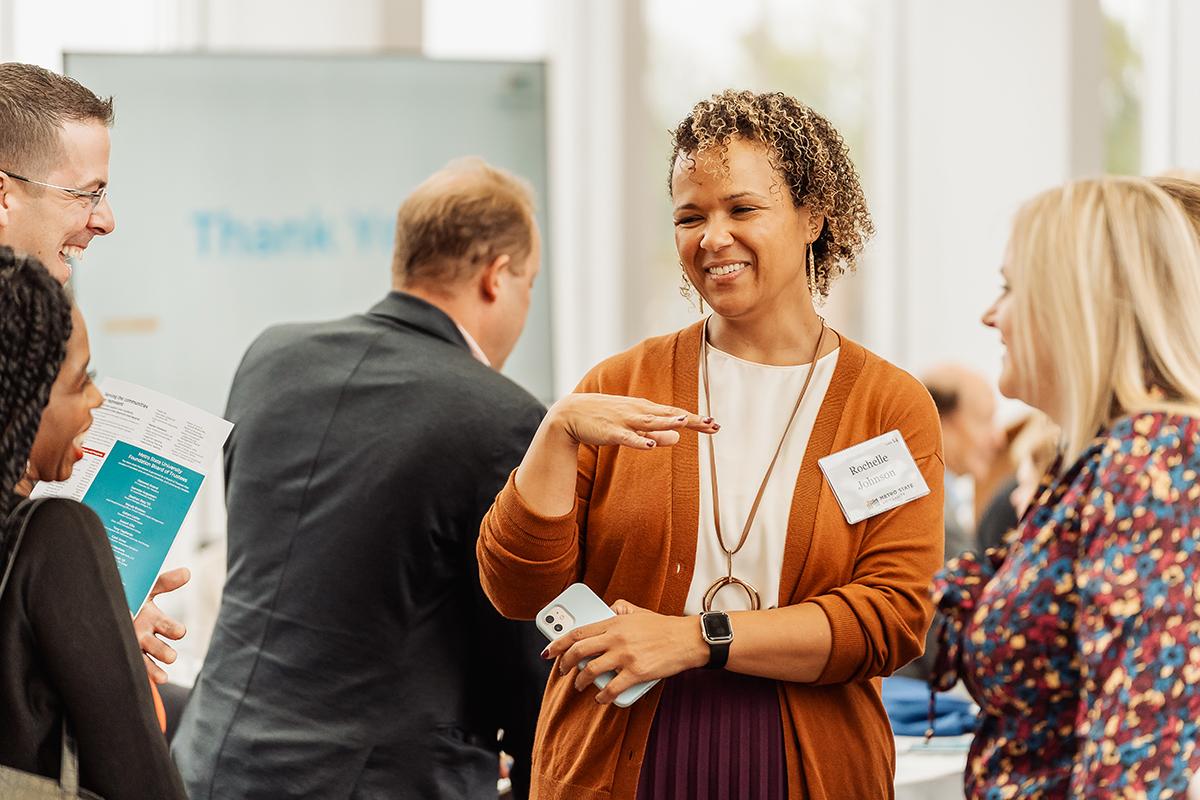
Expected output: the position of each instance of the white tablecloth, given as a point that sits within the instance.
(930, 774)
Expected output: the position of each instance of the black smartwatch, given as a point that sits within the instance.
(716, 630)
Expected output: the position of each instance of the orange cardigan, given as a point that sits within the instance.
(160, 710)
(632, 536)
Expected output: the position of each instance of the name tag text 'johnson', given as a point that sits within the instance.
(869, 464)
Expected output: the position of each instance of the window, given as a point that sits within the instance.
(1121, 87)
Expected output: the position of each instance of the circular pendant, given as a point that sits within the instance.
(729, 580)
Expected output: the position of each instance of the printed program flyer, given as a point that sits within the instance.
(144, 460)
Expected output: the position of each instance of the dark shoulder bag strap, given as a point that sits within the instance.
(26, 507)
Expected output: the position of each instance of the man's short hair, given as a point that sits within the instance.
(945, 398)
(34, 105)
(460, 219)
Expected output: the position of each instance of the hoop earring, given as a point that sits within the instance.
(688, 291)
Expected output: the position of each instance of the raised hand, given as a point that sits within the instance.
(604, 419)
(546, 478)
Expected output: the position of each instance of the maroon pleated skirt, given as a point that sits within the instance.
(717, 735)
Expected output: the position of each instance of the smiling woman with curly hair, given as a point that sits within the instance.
(764, 610)
(807, 153)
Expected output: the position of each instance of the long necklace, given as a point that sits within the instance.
(728, 578)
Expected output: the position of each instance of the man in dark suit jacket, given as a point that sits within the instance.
(355, 655)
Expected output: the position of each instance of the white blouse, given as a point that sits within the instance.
(752, 403)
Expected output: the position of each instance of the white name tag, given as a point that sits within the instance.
(874, 476)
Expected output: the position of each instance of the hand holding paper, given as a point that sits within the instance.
(151, 623)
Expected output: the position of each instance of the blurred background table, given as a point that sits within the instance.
(934, 773)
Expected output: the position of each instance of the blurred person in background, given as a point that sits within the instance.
(619, 490)
(1077, 638)
(54, 151)
(355, 655)
(966, 406)
(72, 671)
(1033, 448)
(971, 440)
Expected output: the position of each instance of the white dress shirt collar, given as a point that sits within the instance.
(476, 350)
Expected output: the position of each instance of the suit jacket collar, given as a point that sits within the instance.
(413, 312)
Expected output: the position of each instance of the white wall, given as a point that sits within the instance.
(481, 29)
(1187, 96)
(312, 25)
(1171, 136)
(978, 105)
(39, 31)
(591, 93)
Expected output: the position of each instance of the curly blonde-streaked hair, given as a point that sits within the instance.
(806, 151)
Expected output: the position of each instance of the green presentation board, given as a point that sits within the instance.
(256, 189)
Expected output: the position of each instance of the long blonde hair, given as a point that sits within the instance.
(1106, 288)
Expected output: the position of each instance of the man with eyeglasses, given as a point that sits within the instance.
(54, 147)
(53, 166)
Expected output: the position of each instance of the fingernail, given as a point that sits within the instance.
(707, 420)
(546, 653)
(716, 426)
(651, 443)
(681, 418)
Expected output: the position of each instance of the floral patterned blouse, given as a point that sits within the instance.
(1080, 639)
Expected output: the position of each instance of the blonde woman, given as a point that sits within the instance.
(1081, 644)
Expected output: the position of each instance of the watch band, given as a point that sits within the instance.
(718, 655)
(718, 643)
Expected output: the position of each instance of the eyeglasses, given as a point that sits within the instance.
(94, 198)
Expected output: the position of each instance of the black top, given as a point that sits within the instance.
(354, 654)
(69, 648)
(999, 517)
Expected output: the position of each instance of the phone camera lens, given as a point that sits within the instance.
(558, 628)
(549, 618)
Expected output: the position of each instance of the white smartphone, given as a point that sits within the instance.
(577, 606)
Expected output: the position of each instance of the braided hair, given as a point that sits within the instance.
(807, 152)
(35, 323)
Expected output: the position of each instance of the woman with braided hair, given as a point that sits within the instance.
(69, 655)
(794, 605)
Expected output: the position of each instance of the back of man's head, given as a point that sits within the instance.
(458, 221)
(966, 404)
(34, 105)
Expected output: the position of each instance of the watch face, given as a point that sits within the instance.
(716, 626)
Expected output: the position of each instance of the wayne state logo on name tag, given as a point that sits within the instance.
(874, 476)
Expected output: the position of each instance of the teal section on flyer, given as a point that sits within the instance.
(142, 499)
